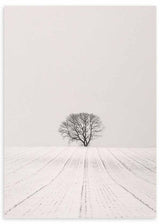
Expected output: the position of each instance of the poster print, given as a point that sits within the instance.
(79, 105)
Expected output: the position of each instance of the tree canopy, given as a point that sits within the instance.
(81, 127)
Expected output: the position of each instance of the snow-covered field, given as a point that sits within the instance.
(75, 182)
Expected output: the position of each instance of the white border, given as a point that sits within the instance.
(80, 2)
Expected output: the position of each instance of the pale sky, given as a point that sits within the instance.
(61, 60)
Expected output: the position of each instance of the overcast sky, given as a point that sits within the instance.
(61, 60)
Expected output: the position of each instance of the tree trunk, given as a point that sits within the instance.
(85, 144)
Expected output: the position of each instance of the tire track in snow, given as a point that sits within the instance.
(131, 193)
(147, 154)
(109, 200)
(41, 188)
(138, 162)
(40, 169)
(68, 191)
(100, 196)
(11, 161)
(59, 196)
(131, 171)
(9, 185)
(85, 205)
(83, 190)
(28, 163)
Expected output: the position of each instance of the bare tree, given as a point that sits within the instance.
(82, 127)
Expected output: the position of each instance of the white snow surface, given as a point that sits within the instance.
(79, 182)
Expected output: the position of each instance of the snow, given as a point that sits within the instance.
(78, 182)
